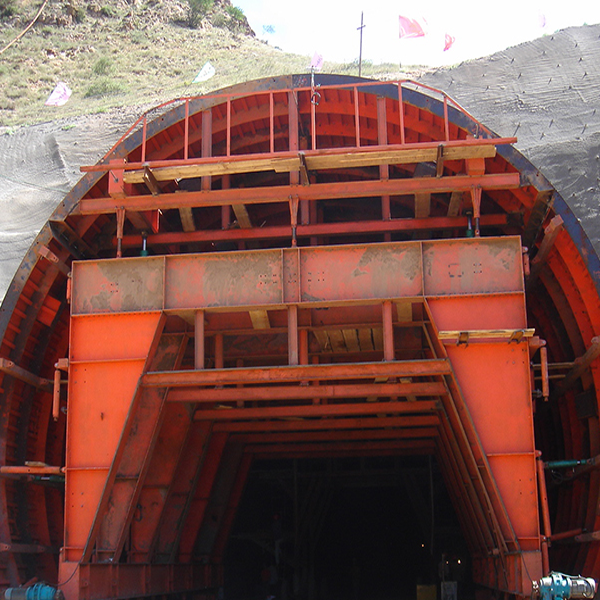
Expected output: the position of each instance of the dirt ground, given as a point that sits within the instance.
(545, 92)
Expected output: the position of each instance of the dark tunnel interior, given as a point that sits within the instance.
(344, 529)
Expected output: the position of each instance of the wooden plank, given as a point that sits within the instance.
(391, 157)
(404, 310)
(351, 340)
(378, 339)
(312, 163)
(187, 218)
(242, 216)
(323, 339)
(224, 167)
(486, 334)
(422, 205)
(337, 341)
(455, 204)
(366, 340)
(260, 319)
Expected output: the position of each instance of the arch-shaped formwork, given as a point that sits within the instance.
(297, 234)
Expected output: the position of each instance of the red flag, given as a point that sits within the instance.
(448, 42)
(410, 28)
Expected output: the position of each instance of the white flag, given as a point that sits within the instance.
(317, 62)
(206, 72)
(59, 96)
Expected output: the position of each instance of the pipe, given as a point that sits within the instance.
(39, 591)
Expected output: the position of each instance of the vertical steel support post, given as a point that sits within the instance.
(228, 125)
(545, 374)
(446, 122)
(388, 331)
(225, 209)
(303, 346)
(120, 226)
(219, 361)
(541, 476)
(271, 123)
(144, 134)
(186, 132)
(206, 143)
(401, 111)
(199, 339)
(384, 170)
(293, 355)
(356, 117)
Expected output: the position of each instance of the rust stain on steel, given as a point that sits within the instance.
(472, 266)
(110, 286)
(224, 279)
(361, 272)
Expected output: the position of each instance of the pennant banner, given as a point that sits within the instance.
(59, 96)
(317, 62)
(449, 40)
(410, 28)
(206, 72)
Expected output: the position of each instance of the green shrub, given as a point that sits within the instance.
(198, 10)
(236, 13)
(79, 14)
(220, 20)
(104, 86)
(103, 66)
(108, 11)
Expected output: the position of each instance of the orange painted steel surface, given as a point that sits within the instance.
(314, 291)
(440, 274)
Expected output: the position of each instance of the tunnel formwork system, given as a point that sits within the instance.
(296, 269)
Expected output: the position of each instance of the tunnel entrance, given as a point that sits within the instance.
(345, 528)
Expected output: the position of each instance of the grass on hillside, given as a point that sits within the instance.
(112, 61)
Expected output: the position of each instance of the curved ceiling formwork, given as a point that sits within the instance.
(238, 250)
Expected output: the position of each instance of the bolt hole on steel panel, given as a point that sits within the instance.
(298, 341)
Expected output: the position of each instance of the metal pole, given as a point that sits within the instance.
(362, 26)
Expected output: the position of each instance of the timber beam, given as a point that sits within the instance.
(316, 159)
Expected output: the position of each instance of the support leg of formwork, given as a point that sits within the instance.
(199, 339)
(219, 359)
(293, 355)
(388, 331)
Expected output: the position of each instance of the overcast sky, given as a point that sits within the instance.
(329, 27)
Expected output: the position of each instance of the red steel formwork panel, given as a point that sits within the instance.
(470, 285)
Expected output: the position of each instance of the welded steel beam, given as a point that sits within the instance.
(318, 410)
(364, 435)
(272, 375)
(317, 191)
(331, 392)
(405, 421)
(251, 280)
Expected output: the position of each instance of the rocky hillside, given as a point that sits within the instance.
(124, 53)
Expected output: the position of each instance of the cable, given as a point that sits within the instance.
(26, 28)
